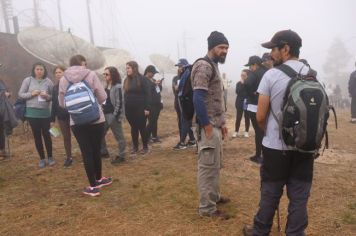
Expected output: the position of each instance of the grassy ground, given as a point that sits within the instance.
(156, 195)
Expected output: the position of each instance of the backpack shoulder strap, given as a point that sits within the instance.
(287, 70)
(210, 63)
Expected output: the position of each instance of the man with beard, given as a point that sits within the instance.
(251, 83)
(282, 166)
(210, 110)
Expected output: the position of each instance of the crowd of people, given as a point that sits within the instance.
(137, 98)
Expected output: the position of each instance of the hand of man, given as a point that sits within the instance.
(208, 129)
(224, 132)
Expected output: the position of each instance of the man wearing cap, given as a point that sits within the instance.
(281, 165)
(210, 110)
(186, 125)
(267, 60)
(352, 92)
(251, 83)
(156, 103)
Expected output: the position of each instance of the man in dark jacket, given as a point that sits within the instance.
(352, 92)
(252, 82)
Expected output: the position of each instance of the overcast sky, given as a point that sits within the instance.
(162, 26)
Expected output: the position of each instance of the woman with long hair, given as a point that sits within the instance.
(88, 135)
(62, 116)
(113, 111)
(137, 105)
(37, 91)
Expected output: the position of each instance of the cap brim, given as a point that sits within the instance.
(268, 45)
(247, 64)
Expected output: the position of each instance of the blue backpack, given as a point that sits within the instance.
(81, 103)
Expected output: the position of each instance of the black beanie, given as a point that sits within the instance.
(216, 38)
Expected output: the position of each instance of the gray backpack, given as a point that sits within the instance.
(305, 112)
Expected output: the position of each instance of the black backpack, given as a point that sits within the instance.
(185, 90)
(305, 112)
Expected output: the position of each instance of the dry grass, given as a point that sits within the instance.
(156, 195)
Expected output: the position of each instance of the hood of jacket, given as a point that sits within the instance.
(76, 74)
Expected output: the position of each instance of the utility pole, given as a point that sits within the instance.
(60, 15)
(35, 13)
(90, 23)
(6, 6)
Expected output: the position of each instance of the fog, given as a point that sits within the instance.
(180, 28)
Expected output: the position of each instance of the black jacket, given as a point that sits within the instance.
(57, 111)
(138, 92)
(252, 82)
(352, 84)
(241, 93)
(155, 97)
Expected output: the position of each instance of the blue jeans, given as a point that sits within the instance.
(186, 130)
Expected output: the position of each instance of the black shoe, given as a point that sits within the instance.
(217, 215)
(118, 160)
(68, 162)
(247, 230)
(155, 140)
(180, 146)
(191, 143)
(256, 159)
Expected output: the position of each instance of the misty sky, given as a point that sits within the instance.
(162, 26)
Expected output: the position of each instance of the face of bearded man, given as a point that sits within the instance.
(220, 52)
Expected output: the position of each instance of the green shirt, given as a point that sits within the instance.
(32, 112)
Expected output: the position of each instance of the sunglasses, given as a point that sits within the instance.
(106, 74)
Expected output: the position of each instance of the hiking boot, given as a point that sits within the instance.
(144, 151)
(180, 146)
(223, 200)
(104, 181)
(68, 162)
(235, 135)
(104, 155)
(118, 160)
(42, 163)
(91, 191)
(191, 143)
(246, 135)
(247, 230)
(51, 161)
(256, 159)
(217, 215)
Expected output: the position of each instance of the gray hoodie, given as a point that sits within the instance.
(76, 74)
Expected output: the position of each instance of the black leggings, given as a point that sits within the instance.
(135, 115)
(2, 134)
(40, 128)
(89, 140)
(239, 113)
(153, 120)
(353, 107)
(258, 133)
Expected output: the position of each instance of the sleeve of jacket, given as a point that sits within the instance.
(147, 92)
(54, 103)
(118, 97)
(49, 89)
(250, 84)
(24, 92)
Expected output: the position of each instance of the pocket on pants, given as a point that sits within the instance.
(207, 156)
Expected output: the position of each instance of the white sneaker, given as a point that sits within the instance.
(246, 135)
(235, 135)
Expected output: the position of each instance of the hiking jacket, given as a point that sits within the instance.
(117, 100)
(155, 97)
(75, 74)
(252, 82)
(7, 114)
(241, 93)
(352, 84)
